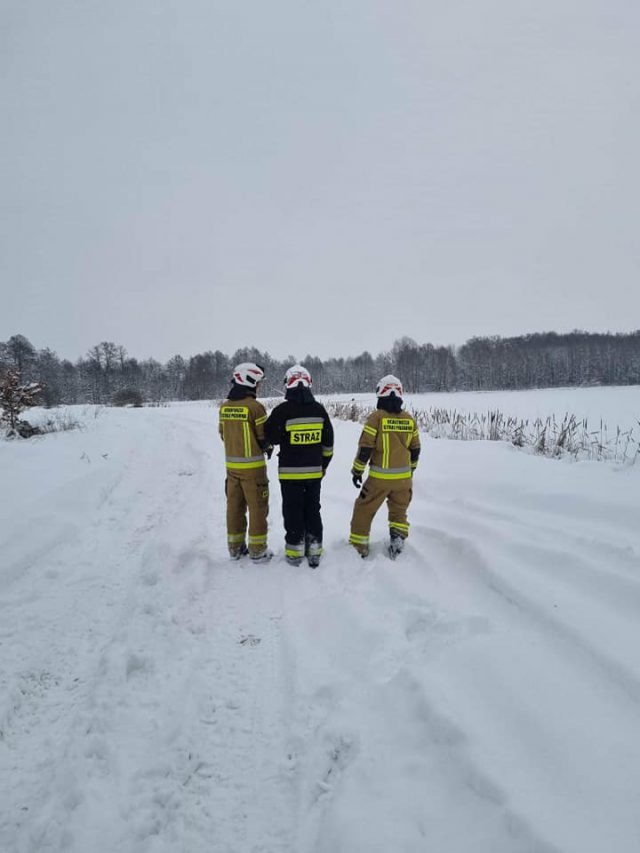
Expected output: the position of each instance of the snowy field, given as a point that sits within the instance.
(614, 406)
(479, 695)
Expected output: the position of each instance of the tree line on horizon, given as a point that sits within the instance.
(106, 374)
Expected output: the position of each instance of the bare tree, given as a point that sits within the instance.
(22, 355)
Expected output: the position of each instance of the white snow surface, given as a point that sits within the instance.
(612, 406)
(481, 694)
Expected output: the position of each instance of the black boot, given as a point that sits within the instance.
(313, 551)
(294, 552)
(263, 557)
(396, 544)
(238, 552)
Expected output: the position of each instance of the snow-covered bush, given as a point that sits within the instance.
(61, 422)
(127, 397)
(14, 399)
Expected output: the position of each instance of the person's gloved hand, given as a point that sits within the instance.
(356, 479)
(269, 451)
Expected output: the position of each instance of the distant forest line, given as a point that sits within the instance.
(542, 360)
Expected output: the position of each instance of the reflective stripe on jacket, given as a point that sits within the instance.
(305, 435)
(388, 441)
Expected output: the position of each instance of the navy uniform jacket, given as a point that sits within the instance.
(302, 428)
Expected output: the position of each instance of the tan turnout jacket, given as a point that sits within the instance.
(390, 438)
(241, 428)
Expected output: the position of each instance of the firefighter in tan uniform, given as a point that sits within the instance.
(390, 443)
(241, 427)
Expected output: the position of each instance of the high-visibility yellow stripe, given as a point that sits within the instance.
(398, 525)
(303, 427)
(405, 475)
(261, 420)
(240, 466)
(385, 450)
(258, 540)
(327, 451)
(314, 475)
(359, 466)
(235, 537)
(359, 540)
(369, 430)
(247, 440)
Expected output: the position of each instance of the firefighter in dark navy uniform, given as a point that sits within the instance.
(242, 420)
(301, 426)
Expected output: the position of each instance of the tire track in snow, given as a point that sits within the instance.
(350, 761)
(622, 561)
(475, 565)
(76, 663)
(255, 798)
(600, 605)
(568, 671)
(176, 740)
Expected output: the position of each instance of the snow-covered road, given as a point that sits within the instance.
(479, 695)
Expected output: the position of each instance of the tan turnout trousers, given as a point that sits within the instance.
(374, 492)
(247, 492)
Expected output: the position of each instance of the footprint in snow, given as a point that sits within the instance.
(249, 641)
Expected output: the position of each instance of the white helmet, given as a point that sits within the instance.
(295, 375)
(389, 385)
(248, 374)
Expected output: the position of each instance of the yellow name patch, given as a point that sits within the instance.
(306, 436)
(397, 425)
(234, 413)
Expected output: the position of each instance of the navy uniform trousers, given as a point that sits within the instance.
(301, 512)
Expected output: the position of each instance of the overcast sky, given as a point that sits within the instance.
(316, 175)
